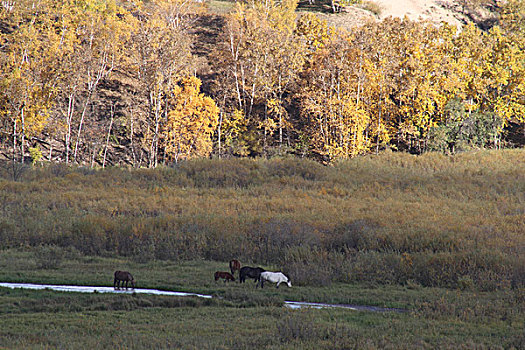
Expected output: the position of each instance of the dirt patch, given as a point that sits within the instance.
(435, 11)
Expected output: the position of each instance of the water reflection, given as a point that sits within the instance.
(97, 289)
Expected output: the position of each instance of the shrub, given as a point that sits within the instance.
(463, 131)
(48, 256)
(36, 154)
(7, 227)
(88, 235)
(314, 266)
(59, 169)
(13, 170)
(274, 237)
(355, 235)
(518, 274)
(465, 283)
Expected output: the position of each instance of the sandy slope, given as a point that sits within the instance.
(434, 10)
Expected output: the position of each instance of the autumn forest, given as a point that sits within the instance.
(145, 83)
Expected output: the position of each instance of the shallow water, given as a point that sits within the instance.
(89, 289)
(92, 289)
(301, 304)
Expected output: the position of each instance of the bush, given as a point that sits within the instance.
(48, 256)
(7, 227)
(13, 170)
(273, 237)
(463, 131)
(313, 266)
(355, 235)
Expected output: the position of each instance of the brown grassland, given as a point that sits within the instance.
(442, 236)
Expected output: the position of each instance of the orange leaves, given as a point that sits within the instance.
(192, 119)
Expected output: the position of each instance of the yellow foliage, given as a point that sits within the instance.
(315, 31)
(192, 119)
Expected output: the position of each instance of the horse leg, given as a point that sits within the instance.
(278, 283)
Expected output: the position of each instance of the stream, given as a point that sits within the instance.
(92, 289)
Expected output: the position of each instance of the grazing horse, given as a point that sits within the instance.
(235, 265)
(122, 277)
(252, 272)
(274, 277)
(224, 275)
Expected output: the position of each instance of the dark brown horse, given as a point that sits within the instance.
(235, 265)
(252, 272)
(224, 275)
(122, 277)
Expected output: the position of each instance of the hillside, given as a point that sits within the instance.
(113, 91)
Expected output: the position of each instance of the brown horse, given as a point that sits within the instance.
(224, 275)
(235, 265)
(122, 277)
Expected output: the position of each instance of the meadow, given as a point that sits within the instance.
(240, 316)
(441, 236)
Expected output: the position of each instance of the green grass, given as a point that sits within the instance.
(216, 327)
(194, 276)
(243, 317)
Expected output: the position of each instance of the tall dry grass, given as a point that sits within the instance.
(431, 220)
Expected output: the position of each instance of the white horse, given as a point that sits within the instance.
(274, 277)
